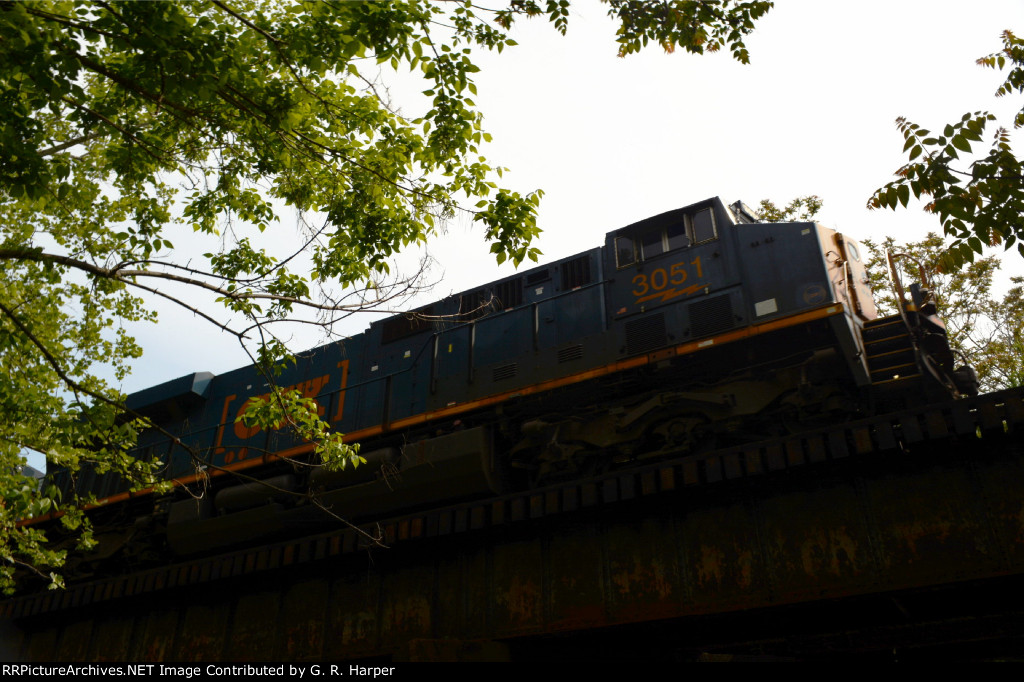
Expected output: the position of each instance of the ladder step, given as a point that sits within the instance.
(903, 356)
(884, 322)
(889, 354)
(906, 381)
(888, 345)
(895, 372)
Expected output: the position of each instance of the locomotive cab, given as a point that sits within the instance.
(696, 273)
(745, 327)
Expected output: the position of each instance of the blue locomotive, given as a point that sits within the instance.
(691, 330)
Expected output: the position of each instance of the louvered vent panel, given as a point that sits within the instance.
(505, 372)
(403, 326)
(538, 277)
(474, 305)
(711, 316)
(569, 354)
(576, 273)
(509, 294)
(645, 334)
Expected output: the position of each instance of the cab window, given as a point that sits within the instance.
(691, 230)
(677, 237)
(704, 226)
(625, 254)
(653, 244)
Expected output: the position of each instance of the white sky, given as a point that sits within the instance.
(612, 141)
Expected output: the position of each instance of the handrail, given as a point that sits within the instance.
(897, 285)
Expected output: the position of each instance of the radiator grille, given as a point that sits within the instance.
(509, 294)
(711, 316)
(403, 326)
(538, 277)
(474, 305)
(576, 273)
(645, 334)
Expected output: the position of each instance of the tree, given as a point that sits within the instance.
(987, 333)
(125, 126)
(978, 206)
(800, 209)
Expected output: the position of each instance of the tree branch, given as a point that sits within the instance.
(142, 144)
(125, 277)
(271, 39)
(52, 361)
(132, 86)
(70, 143)
(173, 299)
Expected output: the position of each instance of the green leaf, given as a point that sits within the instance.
(903, 193)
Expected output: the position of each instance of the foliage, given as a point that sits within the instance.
(800, 209)
(693, 25)
(978, 207)
(291, 409)
(986, 332)
(127, 126)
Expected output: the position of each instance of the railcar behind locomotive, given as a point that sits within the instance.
(691, 330)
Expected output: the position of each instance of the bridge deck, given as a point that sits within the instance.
(906, 528)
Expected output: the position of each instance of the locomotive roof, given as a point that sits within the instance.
(675, 215)
(155, 399)
(192, 387)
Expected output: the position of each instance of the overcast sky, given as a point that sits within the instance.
(612, 141)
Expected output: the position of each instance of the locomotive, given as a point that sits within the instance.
(696, 329)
